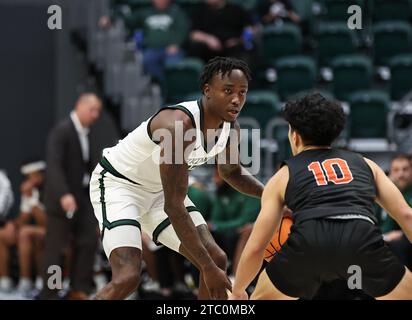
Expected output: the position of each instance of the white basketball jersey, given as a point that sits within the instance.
(137, 156)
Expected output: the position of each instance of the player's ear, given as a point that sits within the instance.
(292, 135)
(296, 138)
(206, 91)
(294, 141)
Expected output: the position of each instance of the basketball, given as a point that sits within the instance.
(278, 239)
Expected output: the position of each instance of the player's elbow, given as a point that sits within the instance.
(406, 216)
(257, 249)
(226, 171)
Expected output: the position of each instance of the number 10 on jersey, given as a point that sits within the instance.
(326, 171)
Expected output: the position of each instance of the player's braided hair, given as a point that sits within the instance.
(223, 65)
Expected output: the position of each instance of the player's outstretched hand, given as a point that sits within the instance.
(217, 283)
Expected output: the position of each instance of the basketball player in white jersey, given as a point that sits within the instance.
(141, 183)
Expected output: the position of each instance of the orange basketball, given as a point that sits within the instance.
(279, 238)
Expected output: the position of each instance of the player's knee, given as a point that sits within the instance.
(24, 234)
(127, 280)
(125, 264)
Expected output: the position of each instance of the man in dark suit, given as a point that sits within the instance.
(71, 221)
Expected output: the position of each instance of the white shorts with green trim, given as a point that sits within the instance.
(124, 208)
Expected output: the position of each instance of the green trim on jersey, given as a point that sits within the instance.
(202, 125)
(109, 168)
(106, 223)
(175, 107)
(165, 223)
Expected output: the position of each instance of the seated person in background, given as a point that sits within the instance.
(31, 226)
(277, 11)
(231, 219)
(400, 172)
(217, 29)
(165, 28)
(7, 231)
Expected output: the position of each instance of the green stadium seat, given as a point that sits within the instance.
(303, 9)
(261, 105)
(182, 78)
(195, 95)
(249, 145)
(334, 39)
(324, 93)
(295, 74)
(383, 10)
(368, 114)
(280, 41)
(245, 4)
(351, 73)
(391, 39)
(401, 76)
(277, 145)
(281, 135)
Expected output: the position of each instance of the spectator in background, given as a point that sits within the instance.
(69, 212)
(31, 225)
(217, 30)
(7, 231)
(231, 218)
(165, 27)
(400, 173)
(277, 11)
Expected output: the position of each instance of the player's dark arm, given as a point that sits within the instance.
(175, 184)
(233, 173)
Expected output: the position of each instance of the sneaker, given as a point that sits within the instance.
(24, 286)
(189, 281)
(6, 284)
(150, 286)
(133, 296)
(181, 291)
(180, 287)
(100, 281)
(38, 283)
(66, 284)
